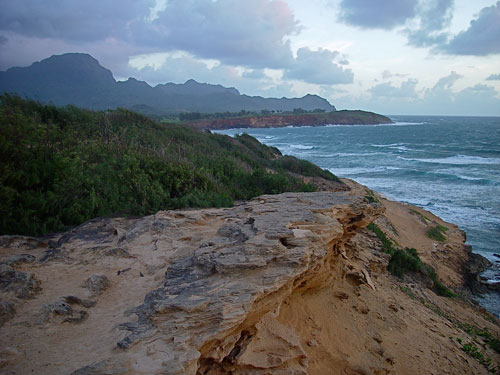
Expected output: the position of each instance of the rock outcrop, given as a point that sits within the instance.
(282, 284)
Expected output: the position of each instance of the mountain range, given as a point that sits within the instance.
(79, 79)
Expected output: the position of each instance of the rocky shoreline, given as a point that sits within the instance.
(344, 117)
(282, 284)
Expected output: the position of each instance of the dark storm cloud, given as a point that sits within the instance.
(73, 20)
(493, 77)
(251, 33)
(429, 17)
(382, 14)
(434, 16)
(481, 38)
(318, 67)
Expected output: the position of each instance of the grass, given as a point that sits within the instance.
(406, 260)
(387, 243)
(422, 217)
(370, 196)
(436, 233)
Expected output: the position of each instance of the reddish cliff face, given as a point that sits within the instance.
(309, 119)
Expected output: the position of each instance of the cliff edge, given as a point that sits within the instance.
(281, 284)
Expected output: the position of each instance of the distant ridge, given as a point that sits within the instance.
(79, 79)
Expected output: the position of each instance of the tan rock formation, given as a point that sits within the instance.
(285, 284)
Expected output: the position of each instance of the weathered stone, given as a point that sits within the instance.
(97, 283)
(7, 312)
(16, 260)
(62, 307)
(20, 284)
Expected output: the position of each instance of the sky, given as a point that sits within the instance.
(422, 57)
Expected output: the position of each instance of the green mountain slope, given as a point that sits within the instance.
(63, 166)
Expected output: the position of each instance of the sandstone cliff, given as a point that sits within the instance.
(282, 284)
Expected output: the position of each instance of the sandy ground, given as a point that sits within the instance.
(351, 317)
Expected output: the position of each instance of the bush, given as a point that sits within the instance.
(436, 233)
(387, 244)
(407, 260)
(403, 261)
(63, 166)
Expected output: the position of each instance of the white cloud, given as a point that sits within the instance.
(318, 67)
(407, 89)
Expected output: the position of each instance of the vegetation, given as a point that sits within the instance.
(404, 261)
(192, 116)
(63, 166)
(436, 233)
(371, 197)
(407, 260)
(422, 217)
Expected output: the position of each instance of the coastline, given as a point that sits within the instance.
(296, 275)
(456, 183)
(343, 117)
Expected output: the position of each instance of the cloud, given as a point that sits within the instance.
(493, 77)
(318, 67)
(440, 99)
(445, 83)
(179, 67)
(235, 32)
(3, 40)
(73, 20)
(481, 38)
(426, 24)
(386, 74)
(433, 17)
(407, 89)
(478, 99)
(250, 33)
(255, 73)
(382, 14)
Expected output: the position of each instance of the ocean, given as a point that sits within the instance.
(447, 165)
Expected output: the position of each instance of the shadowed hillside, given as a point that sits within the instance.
(79, 79)
(63, 166)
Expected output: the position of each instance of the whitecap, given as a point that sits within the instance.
(302, 147)
(459, 160)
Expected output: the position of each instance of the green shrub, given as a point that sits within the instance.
(407, 260)
(387, 244)
(63, 166)
(403, 261)
(436, 233)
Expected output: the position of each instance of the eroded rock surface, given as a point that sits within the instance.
(284, 284)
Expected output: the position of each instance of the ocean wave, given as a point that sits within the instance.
(360, 170)
(301, 147)
(403, 123)
(347, 154)
(458, 160)
(391, 145)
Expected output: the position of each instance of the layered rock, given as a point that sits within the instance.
(283, 284)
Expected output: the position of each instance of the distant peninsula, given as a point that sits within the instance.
(344, 117)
